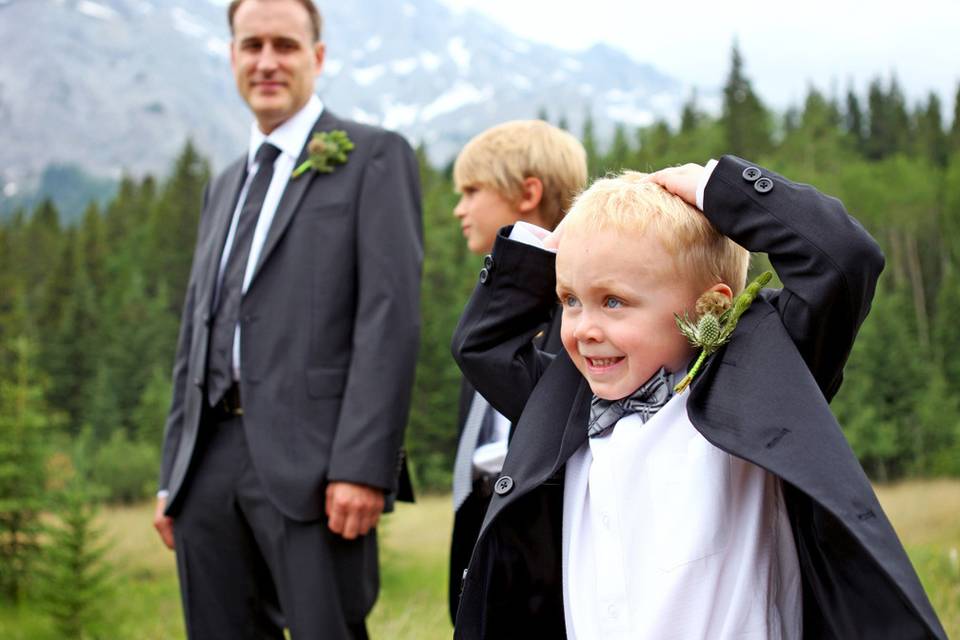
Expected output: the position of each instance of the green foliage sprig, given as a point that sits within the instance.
(718, 319)
(327, 149)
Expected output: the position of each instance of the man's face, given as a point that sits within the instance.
(274, 58)
(619, 293)
(482, 211)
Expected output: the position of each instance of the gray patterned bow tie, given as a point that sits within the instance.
(646, 401)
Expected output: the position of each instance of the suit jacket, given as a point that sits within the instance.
(467, 520)
(762, 398)
(329, 326)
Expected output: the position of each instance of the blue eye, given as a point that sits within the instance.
(612, 303)
(569, 301)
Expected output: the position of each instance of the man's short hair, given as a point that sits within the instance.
(316, 20)
(502, 157)
(627, 204)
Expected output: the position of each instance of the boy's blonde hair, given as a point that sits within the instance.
(502, 157)
(626, 203)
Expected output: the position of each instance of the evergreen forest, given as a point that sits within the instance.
(89, 310)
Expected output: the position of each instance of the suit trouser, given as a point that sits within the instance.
(246, 570)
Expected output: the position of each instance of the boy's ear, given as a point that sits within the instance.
(722, 289)
(531, 196)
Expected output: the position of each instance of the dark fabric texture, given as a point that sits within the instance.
(763, 398)
(467, 520)
(226, 314)
(247, 571)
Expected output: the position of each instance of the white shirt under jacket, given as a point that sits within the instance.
(666, 536)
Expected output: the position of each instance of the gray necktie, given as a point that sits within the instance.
(220, 363)
(645, 401)
(463, 463)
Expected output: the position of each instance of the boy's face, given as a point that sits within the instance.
(482, 211)
(619, 293)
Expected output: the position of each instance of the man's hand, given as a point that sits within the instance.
(163, 524)
(353, 509)
(680, 181)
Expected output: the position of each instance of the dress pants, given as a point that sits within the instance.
(247, 571)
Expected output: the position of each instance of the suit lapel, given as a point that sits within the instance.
(292, 196)
(222, 215)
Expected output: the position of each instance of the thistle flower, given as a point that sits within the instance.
(718, 319)
(326, 149)
(712, 302)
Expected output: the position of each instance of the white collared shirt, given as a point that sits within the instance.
(290, 137)
(666, 536)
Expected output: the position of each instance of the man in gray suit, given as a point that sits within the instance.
(296, 354)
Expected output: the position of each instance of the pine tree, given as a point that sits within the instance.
(745, 119)
(690, 116)
(954, 139)
(854, 122)
(75, 580)
(589, 139)
(23, 425)
(619, 157)
(931, 140)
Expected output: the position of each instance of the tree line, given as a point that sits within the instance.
(89, 311)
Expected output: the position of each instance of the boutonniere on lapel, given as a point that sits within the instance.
(718, 317)
(327, 149)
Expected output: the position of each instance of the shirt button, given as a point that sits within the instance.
(613, 612)
(605, 517)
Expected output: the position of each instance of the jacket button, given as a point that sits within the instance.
(503, 486)
(763, 185)
(750, 174)
(488, 262)
(206, 319)
(484, 276)
(198, 382)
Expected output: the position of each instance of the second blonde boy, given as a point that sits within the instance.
(524, 170)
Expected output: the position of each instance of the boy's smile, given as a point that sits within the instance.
(619, 292)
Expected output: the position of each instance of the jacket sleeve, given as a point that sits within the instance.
(173, 427)
(386, 332)
(493, 342)
(828, 263)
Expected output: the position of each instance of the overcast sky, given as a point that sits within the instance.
(786, 46)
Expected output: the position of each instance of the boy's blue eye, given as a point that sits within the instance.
(569, 301)
(612, 303)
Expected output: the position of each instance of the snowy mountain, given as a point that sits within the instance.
(114, 85)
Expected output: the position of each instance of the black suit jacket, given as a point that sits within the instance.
(469, 517)
(762, 398)
(329, 326)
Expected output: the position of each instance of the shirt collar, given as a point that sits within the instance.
(290, 136)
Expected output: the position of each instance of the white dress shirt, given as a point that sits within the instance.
(290, 138)
(666, 536)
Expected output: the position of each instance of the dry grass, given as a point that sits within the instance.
(416, 540)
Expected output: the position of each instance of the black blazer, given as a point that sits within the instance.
(469, 517)
(330, 325)
(762, 398)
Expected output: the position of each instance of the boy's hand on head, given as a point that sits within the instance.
(680, 181)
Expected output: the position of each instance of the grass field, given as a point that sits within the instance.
(412, 602)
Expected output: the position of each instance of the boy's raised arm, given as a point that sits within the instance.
(828, 263)
(493, 342)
